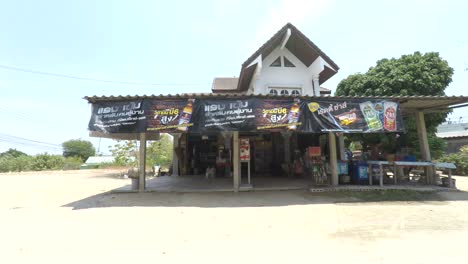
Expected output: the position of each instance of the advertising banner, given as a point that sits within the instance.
(357, 116)
(248, 115)
(244, 147)
(225, 115)
(169, 115)
(276, 115)
(117, 117)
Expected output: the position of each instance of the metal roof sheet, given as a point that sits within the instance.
(453, 134)
(225, 83)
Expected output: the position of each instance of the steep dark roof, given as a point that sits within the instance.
(298, 44)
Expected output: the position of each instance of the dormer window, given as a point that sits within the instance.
(282, 61)
(276, 63)
(284, 92)
(273, 92)
(287, 63)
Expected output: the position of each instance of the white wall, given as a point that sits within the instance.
(299, 76)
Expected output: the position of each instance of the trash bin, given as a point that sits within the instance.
(135, 183)
(360, 173)
(445, 182)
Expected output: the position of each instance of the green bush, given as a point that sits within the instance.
(21, 163)
(47, 162)
(72, 163)
(460, 159)
(38, 163)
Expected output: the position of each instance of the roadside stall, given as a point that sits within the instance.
(286, 133)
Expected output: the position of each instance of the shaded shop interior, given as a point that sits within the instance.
(246, 160)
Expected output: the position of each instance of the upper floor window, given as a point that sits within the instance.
(276, 63)
(282, 61)
(287, 63)
(295, 92)
(284, 91)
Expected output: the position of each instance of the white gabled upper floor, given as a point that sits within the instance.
(287, 64)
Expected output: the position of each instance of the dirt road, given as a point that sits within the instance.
(67, 217)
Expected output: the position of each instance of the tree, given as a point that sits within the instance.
(125, 152)
(13, 153)
(160, 152)
(78, 148)
(415, 74)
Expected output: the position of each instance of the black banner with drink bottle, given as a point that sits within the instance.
(169, 115)
(356, 116)
(246, 114)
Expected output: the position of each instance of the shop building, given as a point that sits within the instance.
(273, 123)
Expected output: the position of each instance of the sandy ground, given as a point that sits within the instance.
(68, 217)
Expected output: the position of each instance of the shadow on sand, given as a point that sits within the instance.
(263, 198)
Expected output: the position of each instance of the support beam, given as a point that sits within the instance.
(175, 158)
(235, 161)
(424, 145)
(142, 162)
(333, 158)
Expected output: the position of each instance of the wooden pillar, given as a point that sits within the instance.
(175, 158)
(142, 162)
(333, 158)
(235, 161)
(424, 144)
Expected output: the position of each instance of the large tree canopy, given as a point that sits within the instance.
(416, 74)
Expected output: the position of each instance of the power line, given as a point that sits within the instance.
(30, 140)
(29, 145)
(6, 67)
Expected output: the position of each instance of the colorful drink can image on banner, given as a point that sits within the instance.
(371, 116)
(390, 112)
(379, 107)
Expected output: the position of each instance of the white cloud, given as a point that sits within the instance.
(298, 12)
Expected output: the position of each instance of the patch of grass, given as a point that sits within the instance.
(392, 195)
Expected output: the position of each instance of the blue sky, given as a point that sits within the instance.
(190, 42)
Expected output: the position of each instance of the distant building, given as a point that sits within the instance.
(455, 134)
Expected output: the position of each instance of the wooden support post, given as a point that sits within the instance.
(333, 158)
(424, 145)
(142, 162)
(175, 158)
(235, 161)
